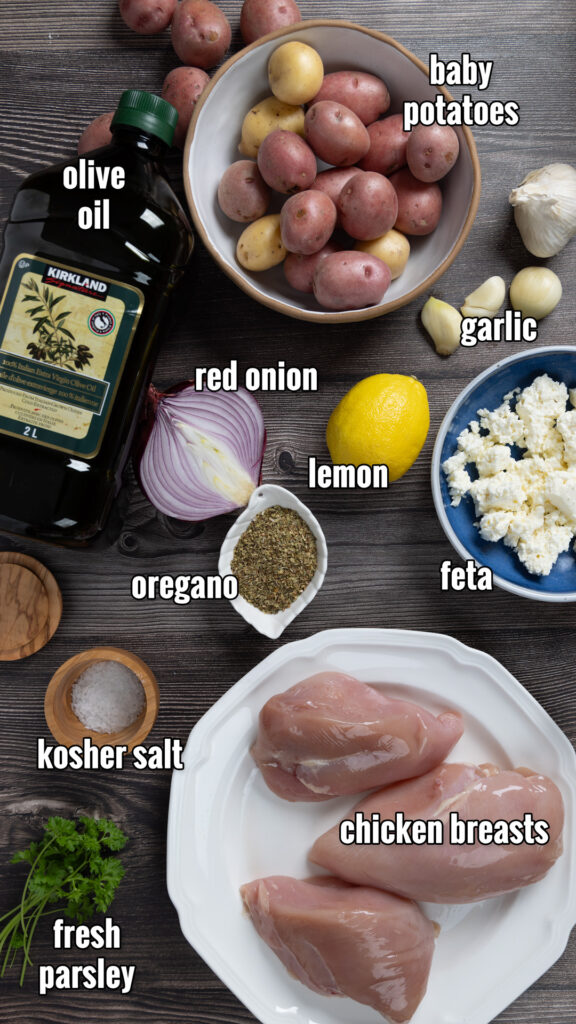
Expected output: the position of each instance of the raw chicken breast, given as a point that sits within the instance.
(332, 735)
(346, 940)
(451, 873)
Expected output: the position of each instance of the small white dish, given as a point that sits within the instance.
(264, 497)
(225, 827)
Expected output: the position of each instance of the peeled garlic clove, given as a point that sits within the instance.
(487, 300)
(545, 209)
(443, 324)
(535, 291)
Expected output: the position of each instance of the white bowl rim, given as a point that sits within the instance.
(436, 470)
(284, 307)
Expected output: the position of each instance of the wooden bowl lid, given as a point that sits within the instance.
(30, 605)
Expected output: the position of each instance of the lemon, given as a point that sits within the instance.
(382, 419)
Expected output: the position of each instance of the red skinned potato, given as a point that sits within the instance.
(350, 280)
(147, 16)
(242, 194)
(335, 133)
(388, 142)
(367, 205)
(365, 95)
(307, 221)
(299, 270)
(200, 33)
(419, 204)
(181, 88)
(332, 181)
(97, 134)
(286, 162)
(432, 151)
(259, 17)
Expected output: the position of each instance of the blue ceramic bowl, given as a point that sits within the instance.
(487, 392)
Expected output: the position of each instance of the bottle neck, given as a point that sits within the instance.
(138, 139)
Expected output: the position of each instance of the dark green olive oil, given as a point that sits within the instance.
(92, 251)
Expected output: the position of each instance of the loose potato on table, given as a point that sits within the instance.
(286, 162)
(388, 141)
(336, 134)
(393, 248)
(200, 33)
(260, 245)
(350, 280)
(97, 134)
(366, 95)
(265, 117)
(307, 221)
(299, 270)
(147, 16)
(259, 17)
(419, 204)
(295, 72)
(367, 205)
(242, 194)
(432, 151)
(181, 88)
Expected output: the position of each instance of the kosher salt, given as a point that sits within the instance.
(107, 697)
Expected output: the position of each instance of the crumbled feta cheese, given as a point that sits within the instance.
(528, 502)
(458, 479)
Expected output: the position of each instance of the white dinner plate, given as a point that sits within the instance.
(226, 828)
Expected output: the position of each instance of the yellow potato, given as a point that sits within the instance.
(266, 117)
(393, 249)
(295, 72)
(260, 244)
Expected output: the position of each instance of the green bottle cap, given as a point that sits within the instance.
(146, 111)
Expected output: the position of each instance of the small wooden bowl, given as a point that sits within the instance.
(68, 730)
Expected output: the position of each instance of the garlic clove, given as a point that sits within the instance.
(443, 323)
(487, 299)
(535, 291)
(545, 209)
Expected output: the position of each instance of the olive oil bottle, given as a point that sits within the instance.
(92, 251)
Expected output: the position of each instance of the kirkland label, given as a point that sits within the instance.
(64, 338)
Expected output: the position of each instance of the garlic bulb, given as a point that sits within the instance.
(545, 208)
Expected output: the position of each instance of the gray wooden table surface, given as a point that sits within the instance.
(61, 64)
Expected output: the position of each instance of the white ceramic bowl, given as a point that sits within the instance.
(263, 497)
(213, 137)
(487, 392)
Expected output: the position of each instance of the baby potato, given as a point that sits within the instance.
(392, 248)
(260, 245)
(181, 88)
(350, 280)
(295, 72)
(307, 221)
(432, 151)
(266, 117)
(286, 162)
(201, 33)
(367, 205)
(259, 17)
(147, 16)
(242, 194)
(332, 181)
(366, 95)
(335, 133)
(299, 270)
(97, 134)
(419, 204)
(388, 142)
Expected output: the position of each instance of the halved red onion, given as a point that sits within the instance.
(204, 451)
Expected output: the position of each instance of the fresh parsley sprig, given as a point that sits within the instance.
(72, 866)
